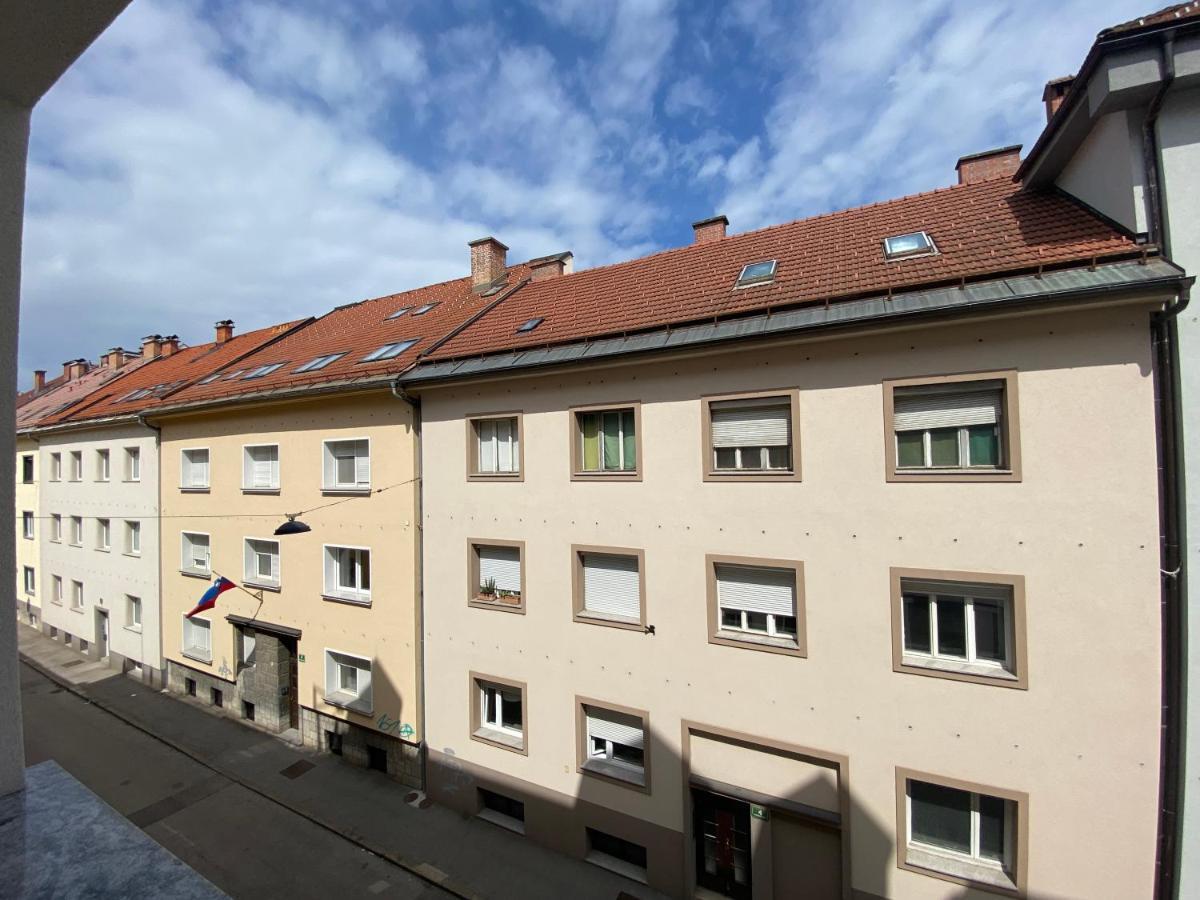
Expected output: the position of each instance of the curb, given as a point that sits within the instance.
(421, 870)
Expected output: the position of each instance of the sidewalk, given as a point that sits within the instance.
(464, 856)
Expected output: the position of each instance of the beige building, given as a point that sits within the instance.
(855, 598)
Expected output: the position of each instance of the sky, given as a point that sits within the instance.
(262, 161)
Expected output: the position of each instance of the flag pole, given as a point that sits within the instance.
(256, 595)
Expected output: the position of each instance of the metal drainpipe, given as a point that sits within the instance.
(419, 525)
(141, 420)
(1150, 141)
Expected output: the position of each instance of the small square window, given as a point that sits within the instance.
(333, 743)
(348, 681)
(194, 470)
(347, 465)
(606, 443)
(609, 587)
(496, 576)
(498, 716)
(348, 574)
(614, 743)
(260, 467)
(616, 854)
(501, 810)
(915, 243)
(377, 759)
(195, 557)
(248, 710)
(197, 639)
(751, 437)
(261, 558)
(495, 446)
(757, 604)
(757, 273)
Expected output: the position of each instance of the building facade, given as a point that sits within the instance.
(27, 532)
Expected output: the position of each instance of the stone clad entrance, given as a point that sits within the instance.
(267, 674)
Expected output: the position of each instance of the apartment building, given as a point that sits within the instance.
(321, 641)
(785, 580)
(99, 501)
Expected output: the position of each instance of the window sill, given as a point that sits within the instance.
(635, 475)
(345, 491)
(56, 540)
(495, 476)
(966, 870)
(768, 475)
(506, 822)
(617, 866)
(136, 629)
(57, 602)
(194, 490)
(758, 642)
(192, 573)
(77, 609)
(28, 537)
(960, 671)
(348, 702)
(953, 475)
(478, 602)
(131, 481)
(259, 586)
(500, 739)
(76, 546)
(104, 549)
(132, 554)
(594, 618)
(353, 601)
(266, 491)
(615, 772)
(196, 655)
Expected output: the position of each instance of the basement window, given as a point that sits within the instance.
(421, 310)
(320, 362)
(261, 371)
(530, 325)
(901, 246)
(757, 273)
(387, 351)
(401, 311)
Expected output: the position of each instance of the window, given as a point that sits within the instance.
(757, 273)
(915, 243)
(496, 446)
(133, 538)
(348, 574)
(193, 473)
(195, 556)
(27, 468)
(606, 442)
(133, 464)
(77, 595)
(30, 580)
(56, 585)
(960, 830)
(498, 714)
(263, 371)
(77, 465)
(260, 468)
(320, 362)
(348, 681)
(234, 374)
(616, 854)
(217, 696)
(421, 310)
(401, 311)
(614, 743)
(608, 586)
(262, 562)
(27, 525)
(496, 575)
(56, 467)
(751, 436)
(501, 810)
(209, 379)
(246, 644)
(756, 604)
(197, 639)
(347, 465)
(956, 427)
(103, 535)
(102, 465)
(959, 625)
(387, 351)
(76, 531)
(56, 531)
(133, 612)
(530, 324)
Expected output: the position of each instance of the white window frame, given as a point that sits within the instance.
(56, 466)
(28, 525)
(328, 452)
(193, 650)
(103, 465)
(248, 464)
(362, 699)
(185, 545)
(1001, 870)
(30, 578)
(133, 537)
(249, 551)
(76, 459)
(133, 463)
(76, 594)
(332, 569)
(187, 480)
(104, 534)
(486, 724)
(56, 584)
(514, 443)
(958, 591)
(76, 531)
(56, 527)
(928, 249)
(133, 612)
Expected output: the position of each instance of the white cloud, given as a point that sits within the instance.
(689, 95)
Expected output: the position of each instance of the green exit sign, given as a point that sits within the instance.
(759, 812)
(301, 657)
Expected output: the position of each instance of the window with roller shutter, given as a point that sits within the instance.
(608, 586)
(260, 467)
(347, 465)
(496, 575)
(193, 470)
(614, 743)
(757, 604)
(750, 437)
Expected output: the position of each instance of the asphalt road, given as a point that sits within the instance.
(243, 843)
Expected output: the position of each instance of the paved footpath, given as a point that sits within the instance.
(214, 792)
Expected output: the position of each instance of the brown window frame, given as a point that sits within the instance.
(576, 462)
(710, 473)
(581, 742)
(577, 609)
(473, 473)
(475, 684)
(766, 644)
(473, 596)
(1010, 432)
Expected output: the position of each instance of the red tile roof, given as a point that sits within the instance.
(1175, 13)
(164, 374)
(356, 330)
(983, 229)
(59, 393)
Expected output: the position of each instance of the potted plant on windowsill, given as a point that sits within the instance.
(489, 593)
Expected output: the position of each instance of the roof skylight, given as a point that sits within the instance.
(915, 243)
(757, 273)
(421, 310)
(263, 370)
(134, 395)
(530, 325)
(210, 379)
(234, 374)
(401, 311)
(320, 362)
(387, 351)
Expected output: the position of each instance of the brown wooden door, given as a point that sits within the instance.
(721, 829)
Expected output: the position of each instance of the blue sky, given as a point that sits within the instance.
(262, 161)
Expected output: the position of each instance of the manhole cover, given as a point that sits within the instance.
(296, 769)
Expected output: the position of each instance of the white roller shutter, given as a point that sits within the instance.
(261, 467)
(759, 590)
(502, 564)
(948, 409)
(957, 589)
(362, 463)
(738, 424)
(614, 726)
(611, 586)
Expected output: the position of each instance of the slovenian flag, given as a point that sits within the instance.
(215, 590)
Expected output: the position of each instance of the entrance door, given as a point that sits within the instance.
(101, 634)
(293, 682)
(721, 826)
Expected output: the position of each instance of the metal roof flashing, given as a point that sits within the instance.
(1044, 289)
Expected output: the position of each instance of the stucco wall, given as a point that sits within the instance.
(1081, 527)
(386, 631)
(107, 576)
(1107, 172)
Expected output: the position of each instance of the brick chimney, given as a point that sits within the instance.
(712, 229)
(151, 346)
(551, 266)
(170, 344)
(998, 163)
(114, 358)
(1054, 94)
(224, 330)
(39, 379)
(74, 368)
(488, 264)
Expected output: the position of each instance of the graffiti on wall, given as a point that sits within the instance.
(394, 726)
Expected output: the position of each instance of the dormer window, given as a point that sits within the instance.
(757, 273)
(901, 246)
